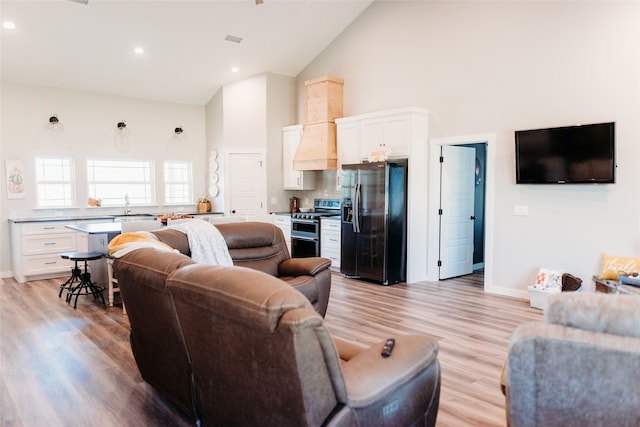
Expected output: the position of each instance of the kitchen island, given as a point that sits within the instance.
(99, 236)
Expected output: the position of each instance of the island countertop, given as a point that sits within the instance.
(98, 228)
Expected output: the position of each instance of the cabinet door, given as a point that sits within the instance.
(392, 131)
(348, 144)
(293, 179)
(372, 136)
(284, 223)
(397, 131)
(330, 244)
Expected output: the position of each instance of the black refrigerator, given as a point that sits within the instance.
(374, 221)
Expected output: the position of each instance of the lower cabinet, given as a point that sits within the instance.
(36, 248)
(284, 222)
(330, 240)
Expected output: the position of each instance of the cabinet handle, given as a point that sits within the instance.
(50, 262)
(298, 180)
(48, 228)
(49, 243)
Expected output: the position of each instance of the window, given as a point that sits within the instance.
(112, 180)
(54, 182)
(178, 182)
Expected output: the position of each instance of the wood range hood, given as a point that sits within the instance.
(317, 149)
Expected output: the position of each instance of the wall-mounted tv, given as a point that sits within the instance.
(566, 155)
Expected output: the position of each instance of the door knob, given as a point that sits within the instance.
(473, 218)
(233, 211)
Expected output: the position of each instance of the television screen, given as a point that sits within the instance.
(566, 155)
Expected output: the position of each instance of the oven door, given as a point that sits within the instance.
(305, 228)
(303, 247)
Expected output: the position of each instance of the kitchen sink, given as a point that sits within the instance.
(134, 217)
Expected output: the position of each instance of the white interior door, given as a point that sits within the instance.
(246, 184)
(457, 187)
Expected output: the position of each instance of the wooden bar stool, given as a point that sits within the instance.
(75, 274)
(86, 285)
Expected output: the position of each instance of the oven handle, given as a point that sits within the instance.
(307, 239)
(304, 221)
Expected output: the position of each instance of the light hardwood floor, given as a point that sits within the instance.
(66, 367)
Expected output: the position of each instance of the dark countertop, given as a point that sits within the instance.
(94, 217)
(61, 218)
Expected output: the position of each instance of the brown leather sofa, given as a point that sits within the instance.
(261, 246)
(251, 350)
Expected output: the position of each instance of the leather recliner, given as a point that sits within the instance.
(156, 336)
(261, 246)
(260, 354)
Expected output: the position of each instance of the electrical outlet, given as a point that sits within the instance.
(521, 210)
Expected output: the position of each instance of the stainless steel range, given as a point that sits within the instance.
(305, 227)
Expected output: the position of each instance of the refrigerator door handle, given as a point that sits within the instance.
(356, 210)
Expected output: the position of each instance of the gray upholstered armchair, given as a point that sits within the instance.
(579, 368)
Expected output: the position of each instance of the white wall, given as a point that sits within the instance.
(89, 122)
(249, 116)
(497, 67)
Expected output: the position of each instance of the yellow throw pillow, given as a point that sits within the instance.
(611, 265)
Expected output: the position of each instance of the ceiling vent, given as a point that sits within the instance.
(233, 39)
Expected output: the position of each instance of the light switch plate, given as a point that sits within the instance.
(521, 210)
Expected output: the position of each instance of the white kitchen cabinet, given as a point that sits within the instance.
(284, 223)
(392, 130)
(330, 240)
(399, 131)
(348, 144)
(293, 179)
(36, 248)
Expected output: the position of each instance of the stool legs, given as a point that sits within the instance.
(75, 277)
(85, 287)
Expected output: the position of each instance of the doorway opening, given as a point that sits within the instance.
(484, 173)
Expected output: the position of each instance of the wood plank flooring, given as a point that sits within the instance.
(66, 367)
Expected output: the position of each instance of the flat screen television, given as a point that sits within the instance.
(582, 154)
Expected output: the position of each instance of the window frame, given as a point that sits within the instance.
(170, 185)
(67, 172)
(113, 191)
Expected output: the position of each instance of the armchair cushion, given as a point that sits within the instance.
(597, 312)
(580, 367)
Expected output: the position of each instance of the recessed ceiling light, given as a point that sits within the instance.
(235, 69)
(138, 50)
(8, 25)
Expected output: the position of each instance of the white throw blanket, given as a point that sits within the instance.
(205, 242)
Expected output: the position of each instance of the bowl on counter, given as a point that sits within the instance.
(304, 210)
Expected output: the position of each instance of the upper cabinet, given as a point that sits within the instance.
(391, 131)
(293, 179)
(398, 131)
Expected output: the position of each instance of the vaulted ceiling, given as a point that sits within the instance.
(185, 55)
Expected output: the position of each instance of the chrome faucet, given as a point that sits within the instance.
(127, 208)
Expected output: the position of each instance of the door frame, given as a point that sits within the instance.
(434, 195)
